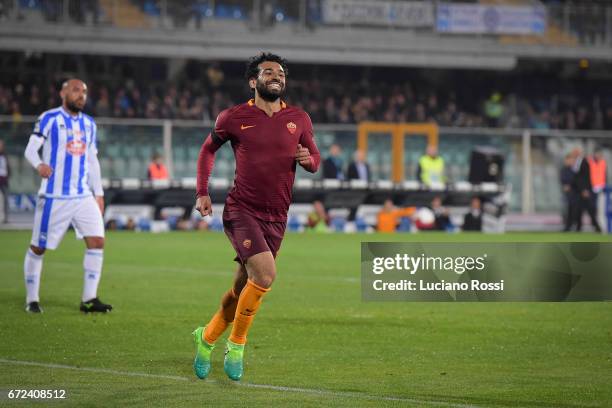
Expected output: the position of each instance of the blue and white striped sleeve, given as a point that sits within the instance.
(95, 174)
(42, 125)
(93, 144)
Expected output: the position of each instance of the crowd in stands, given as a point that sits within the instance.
(335, 95)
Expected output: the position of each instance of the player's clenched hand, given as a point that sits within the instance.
(302, 155)
(204, 206)
(44, 170)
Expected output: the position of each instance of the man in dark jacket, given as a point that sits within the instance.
(359, 169)
(582, 187)
(5, 172)
(472, 221)
(332, 166)
(571, 200)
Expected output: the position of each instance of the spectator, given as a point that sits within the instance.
(332, 166)
(472, 221)
(5, 173)
(157, 170)
(597, 168)
(352, 96)
(571, 202)
(607, 120)
(102, 106)
(201, 225)
(359, 169)
(584, 190)
(431, 167)
(215, 75)
(130, 225)
(389, 216)
(16, 115)
(494, 110)
(442, 219)
(318, 219)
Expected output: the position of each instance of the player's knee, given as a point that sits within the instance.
(262, 269)
(95, 242)
(37, 250)
(265, 279)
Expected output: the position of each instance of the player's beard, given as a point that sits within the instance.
(267, 95)
(73, 107)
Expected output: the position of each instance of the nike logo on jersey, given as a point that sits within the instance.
(242, 127)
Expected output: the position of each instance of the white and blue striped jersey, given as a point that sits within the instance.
(68, 142)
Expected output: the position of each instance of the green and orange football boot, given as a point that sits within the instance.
(201, 362)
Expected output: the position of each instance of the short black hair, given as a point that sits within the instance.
(252, 66)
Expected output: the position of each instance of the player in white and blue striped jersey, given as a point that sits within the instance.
(70, 192)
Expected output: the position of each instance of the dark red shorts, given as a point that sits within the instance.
(249, 235)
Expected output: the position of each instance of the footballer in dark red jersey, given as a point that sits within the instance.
(269, 139)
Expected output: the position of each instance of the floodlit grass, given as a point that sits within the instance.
(312, 334)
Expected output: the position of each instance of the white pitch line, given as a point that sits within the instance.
(314, 391)
(93, 370)
(355, 395)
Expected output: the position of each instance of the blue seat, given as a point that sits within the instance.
(215, 224)
(144, 224)
(150, 7)
(361, 225)
(172, 221)
(29, 4)
(338, 224)
(294, 224)
(405, 225)
(230, 12)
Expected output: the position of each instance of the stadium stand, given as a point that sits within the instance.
(338, 95)
(551, 94)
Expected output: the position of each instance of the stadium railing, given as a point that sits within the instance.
(532, 157)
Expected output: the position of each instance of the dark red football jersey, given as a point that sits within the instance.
(264, 148)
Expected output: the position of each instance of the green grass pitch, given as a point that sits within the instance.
(313, 343)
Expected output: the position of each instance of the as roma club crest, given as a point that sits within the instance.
(246, 243)
(291, 127)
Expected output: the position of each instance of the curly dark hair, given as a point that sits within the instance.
(252, 66)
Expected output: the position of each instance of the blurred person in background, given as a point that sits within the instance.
(318, 219)
(598, 169)
(494, 109)
(584, 190)
(359, 169)
(472, 221)
(389, 216)
(431, 167)
(571, 201)
(5, 173)
(157, 169)
(332, 166)
(442, 218)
